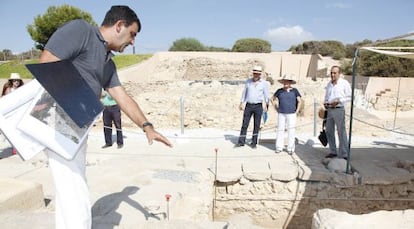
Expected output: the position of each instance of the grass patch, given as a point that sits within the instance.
(18, 67)
(121, 61)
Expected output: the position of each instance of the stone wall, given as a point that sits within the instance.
(277, 204)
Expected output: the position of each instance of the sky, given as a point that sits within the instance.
(220, 23)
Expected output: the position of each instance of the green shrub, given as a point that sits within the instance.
(187, 44)
(252, 45)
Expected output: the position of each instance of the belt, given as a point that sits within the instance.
(335, 107)
(111, 106)
(254, 103)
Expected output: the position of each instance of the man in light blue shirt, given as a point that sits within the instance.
(254, 100)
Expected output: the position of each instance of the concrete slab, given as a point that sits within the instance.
(18, 195)
(283, 170)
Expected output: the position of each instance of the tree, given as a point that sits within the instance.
(375, 64)
(6, 54)
(45, 25)
(350, 48)
(187, 44)
(335, 49)
(252, 45)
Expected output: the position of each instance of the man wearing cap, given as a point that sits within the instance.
(286, 101)
(254, 100)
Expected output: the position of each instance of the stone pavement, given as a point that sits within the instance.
(129, 185)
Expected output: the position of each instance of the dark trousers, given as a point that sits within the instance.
(112, 114)
(251, 109)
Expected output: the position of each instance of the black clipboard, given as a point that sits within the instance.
(70, 90)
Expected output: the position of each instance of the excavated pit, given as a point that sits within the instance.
(277, 204)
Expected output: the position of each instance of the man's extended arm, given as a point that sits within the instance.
(127, 104)
(134, 112)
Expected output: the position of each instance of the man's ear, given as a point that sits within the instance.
(118, 25)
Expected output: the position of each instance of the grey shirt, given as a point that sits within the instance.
(83, 43)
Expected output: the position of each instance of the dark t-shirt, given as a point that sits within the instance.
(83, 43)
(287, 100)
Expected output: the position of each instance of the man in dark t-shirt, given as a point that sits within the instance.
(89, 48)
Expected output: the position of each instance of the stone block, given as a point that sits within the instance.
(256, 170)
(328, 218)
(18, 195)
(283, 170)
(229, 171)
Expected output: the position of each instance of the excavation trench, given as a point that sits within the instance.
(278, 204)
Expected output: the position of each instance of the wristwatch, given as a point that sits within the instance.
(145, 124)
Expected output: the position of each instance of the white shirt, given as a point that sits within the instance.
(341, 92)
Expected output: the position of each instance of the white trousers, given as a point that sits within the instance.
(73, 207)
(286, 121)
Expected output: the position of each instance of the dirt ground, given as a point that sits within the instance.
(190, 95)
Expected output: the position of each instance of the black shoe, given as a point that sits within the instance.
(120, 146)
(331, 155)
(106, 146)
(239, 145)
(253, 146)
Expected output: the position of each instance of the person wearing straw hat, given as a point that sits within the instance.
(12, 84)
(286, 101)
(255, 98)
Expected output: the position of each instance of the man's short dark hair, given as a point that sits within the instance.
(124, 13)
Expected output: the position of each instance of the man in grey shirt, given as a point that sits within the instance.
(89, 48)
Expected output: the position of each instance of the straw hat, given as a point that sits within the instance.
(286, 77)
(321, 113)
(257, 69)
(14, 76)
